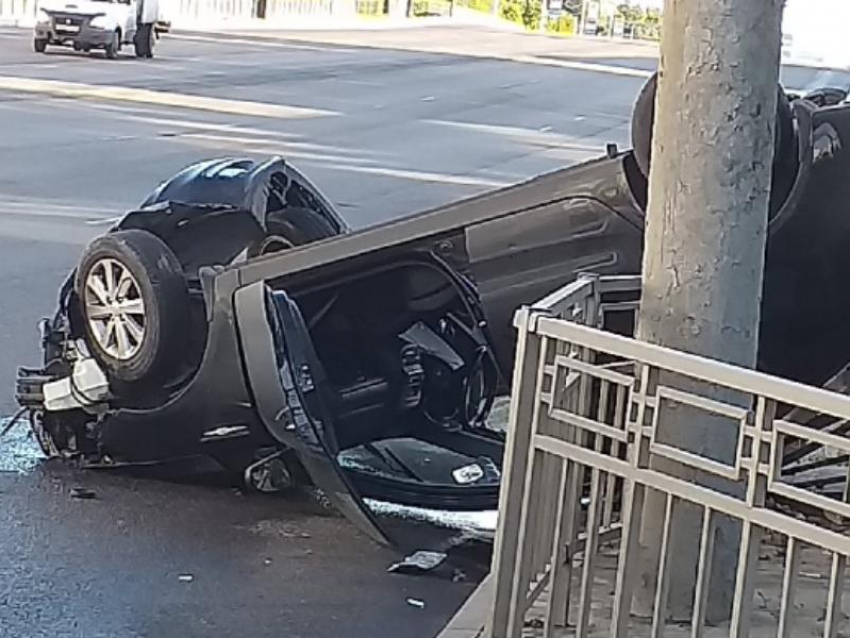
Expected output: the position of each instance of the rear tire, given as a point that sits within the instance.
(158, 295)
(144, 41)
(39, 45)
(290, 227)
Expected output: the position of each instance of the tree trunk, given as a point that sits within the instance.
(704, 250)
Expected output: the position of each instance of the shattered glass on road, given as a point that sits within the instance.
(19, 451)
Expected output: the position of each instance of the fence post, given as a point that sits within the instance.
(515, 465)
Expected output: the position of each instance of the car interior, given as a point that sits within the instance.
(409, 374)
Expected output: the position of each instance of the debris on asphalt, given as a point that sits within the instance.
(83, 493)
(17, 418)
(185, 578)
(415, 602)
(19, 450)
(268, 561)
(418, 562)
(459, 576)
(468, 474)
(278, 529)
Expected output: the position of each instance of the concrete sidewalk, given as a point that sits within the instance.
(809, 603)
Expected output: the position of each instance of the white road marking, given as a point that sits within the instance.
(42, 208)
(104, 222)
(419, 176)
(257, 43)
(595, 67)
(81, 90)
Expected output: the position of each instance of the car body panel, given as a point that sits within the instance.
(209, 211)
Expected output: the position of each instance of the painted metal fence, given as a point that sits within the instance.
(200, 13)
(586, 449)
(17, 10)
(187, 11)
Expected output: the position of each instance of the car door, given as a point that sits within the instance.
(128, 19)
(286, 381)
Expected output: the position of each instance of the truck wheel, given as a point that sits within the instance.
(144, 41)
(112, 48)
(134, 304)
(39, 45)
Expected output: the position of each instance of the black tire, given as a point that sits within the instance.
(643, 116)
(144, 41)
(292, 226)
(111, 49)
(39, 45)
(163, 289)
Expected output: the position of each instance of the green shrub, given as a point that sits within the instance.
(485, 6)
(531, 14)
(511, 10)
(430, 7)
(524, 12)
(563, 25)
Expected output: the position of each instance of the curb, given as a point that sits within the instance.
(470, 621)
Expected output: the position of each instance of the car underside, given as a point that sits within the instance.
(235, 316)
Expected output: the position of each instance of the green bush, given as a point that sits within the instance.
(563, 25)
(531, 15)
(485, 6)
(511, 10)
(430, 7)
(524, 12)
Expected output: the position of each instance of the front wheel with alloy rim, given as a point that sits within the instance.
(134, 304)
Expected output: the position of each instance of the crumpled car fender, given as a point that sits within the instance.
(210, 211)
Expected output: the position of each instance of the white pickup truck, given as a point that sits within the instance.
(97, 24)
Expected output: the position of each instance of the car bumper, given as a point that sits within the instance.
(86, 36)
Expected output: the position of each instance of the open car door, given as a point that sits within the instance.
(284, 374)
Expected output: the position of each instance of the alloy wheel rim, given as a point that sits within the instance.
(115, 309)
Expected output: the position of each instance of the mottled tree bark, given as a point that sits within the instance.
(705, 244)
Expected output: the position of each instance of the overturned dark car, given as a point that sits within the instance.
(235, 316)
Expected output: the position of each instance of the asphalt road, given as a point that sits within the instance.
(386, 124)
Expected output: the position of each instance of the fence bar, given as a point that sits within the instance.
(833, 599)
(742, 604)
(793, 555)
(558, 606)
(706, 559)
(659, 615)
(523, 568)
(529, 357)
(590, 547)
